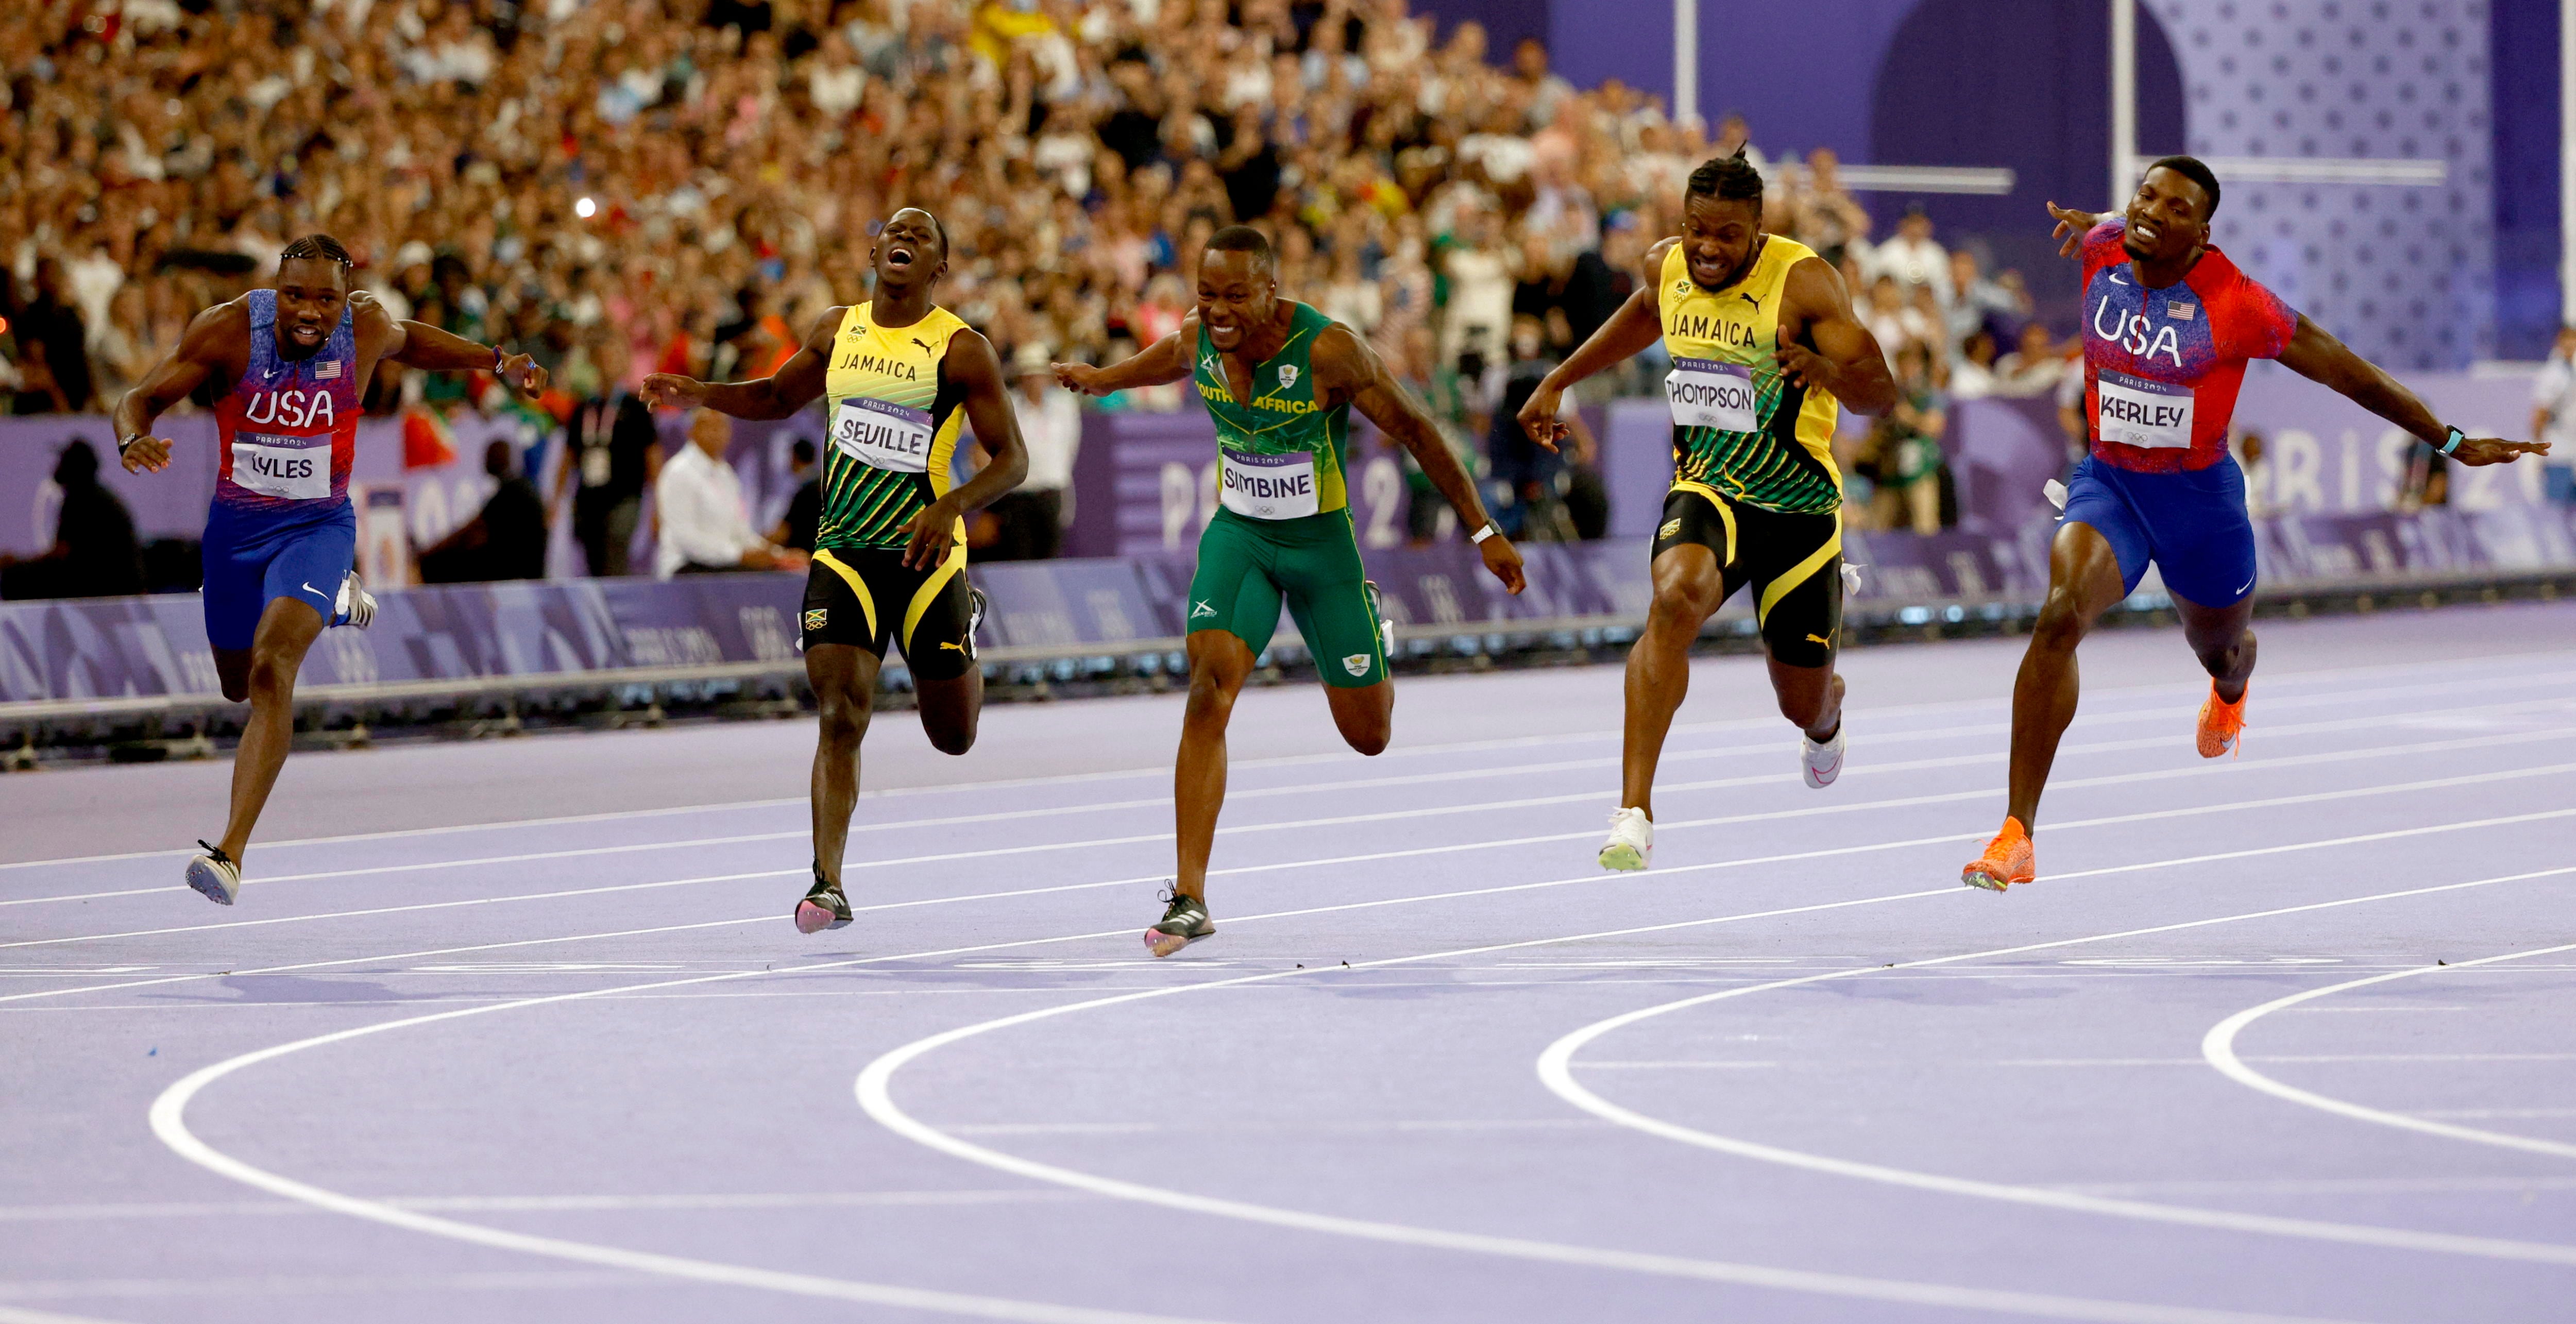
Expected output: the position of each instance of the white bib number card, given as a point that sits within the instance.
(2136, 412)
(295, 468)
(883, 435)
(1267, 486)
(1708, 394)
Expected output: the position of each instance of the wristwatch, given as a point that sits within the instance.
(126, 442)
(2452, 442)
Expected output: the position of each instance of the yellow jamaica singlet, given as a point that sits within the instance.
(894, 427)
(1741, 430)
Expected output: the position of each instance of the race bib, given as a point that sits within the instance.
(1707, 394)
(1267, 486)
(2136, 412)
(883, 435)
(294, 468)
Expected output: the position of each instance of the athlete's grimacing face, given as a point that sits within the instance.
(311, 293)
(908, 251)
(1237, 292)
(1718, 235)
(2168, 220)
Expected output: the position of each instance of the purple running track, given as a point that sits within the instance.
(521, 1030)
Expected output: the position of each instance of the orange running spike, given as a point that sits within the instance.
(2008, 860)
(2222, 724)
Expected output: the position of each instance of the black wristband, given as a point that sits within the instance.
(126, 443)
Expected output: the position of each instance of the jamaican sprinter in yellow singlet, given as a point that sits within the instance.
(1764, 349)
(899, 375)
(1279, 380)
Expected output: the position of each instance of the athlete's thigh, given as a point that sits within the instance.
(1694, 554)
(236, 573)
(2202, 538)
(2100, 500)
(1328, 596)
(938, 615)
(2084, 571)
(308, 566)
(1233, 588)
(1795, 567)
(845, 602)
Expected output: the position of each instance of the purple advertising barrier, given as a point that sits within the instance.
(2325, 455)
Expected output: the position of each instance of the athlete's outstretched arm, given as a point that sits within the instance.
(1166, 360)
(1638, 323)
(2072, 226)
(1344, 364)
(420, 345)
(170, 381)
(2321, 358)
(1845, 358)
(797, 383)
(972, 364)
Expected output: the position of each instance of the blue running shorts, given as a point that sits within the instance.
(252, 556)
(2190, 523)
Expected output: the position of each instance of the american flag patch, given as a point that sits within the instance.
(2180, 312)
(326, 370)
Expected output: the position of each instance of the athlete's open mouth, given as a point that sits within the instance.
(899, 255)
(2148, 231)
(305, 333)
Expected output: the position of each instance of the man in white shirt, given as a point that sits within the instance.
(1034, 515)
(2553, 396)
(698, 503)
(1912, 258)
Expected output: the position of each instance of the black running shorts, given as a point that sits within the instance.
(1793, 562)
(866, 597)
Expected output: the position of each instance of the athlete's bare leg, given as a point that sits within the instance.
(1219, 662)
(950, 709)
(1688, 589)
(265, 674)
(1365, 716)
(2083, 582)
(1811, 697)
(2219, 638)
(844, 677)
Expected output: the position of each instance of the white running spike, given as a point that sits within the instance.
(1632, 841)
(1822, 763)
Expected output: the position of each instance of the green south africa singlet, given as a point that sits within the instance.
(894, 426)
(1283, 455)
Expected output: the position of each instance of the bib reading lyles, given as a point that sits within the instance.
(294, 468)
(1707, 394)
(2136, 412)
(883, 435)
(1262, 486)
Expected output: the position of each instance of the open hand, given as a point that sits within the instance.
(1504, 560)
(153, 454)
(2473, 450)
(2072, 226)
(670, 390)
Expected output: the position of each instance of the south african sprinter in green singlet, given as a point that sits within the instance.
(1280, 380)
(890, 561)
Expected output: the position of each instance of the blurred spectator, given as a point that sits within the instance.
(1545, 90)
(1911, 256)
(506, 539)
(1034, 515)
(1972, 374)
(1894, 320)
(95, 554)
(53, 346)
(1733, 135)
(1528, 476)
(697, 501)
(2035, 366)
(804, 518)
(2251, 458)
(1977, 303)
(613, 454)
(1911, 464)
(2553, 400)
(1829, 221)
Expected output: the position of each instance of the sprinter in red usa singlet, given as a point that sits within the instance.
(293, 363)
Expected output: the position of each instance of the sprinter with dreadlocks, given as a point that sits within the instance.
(287, 367)
(1764, 346)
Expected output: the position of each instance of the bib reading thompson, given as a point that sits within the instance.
(895, 420)
(1282, 530)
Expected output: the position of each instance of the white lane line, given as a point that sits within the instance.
(874, 1092)
(74, 1213)
(274, 1284)
(1556, 1070)
(2120, 779)
(2272, 682)
(2218, 1047)
(22, 1315)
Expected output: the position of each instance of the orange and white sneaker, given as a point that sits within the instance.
(2007, 860)
(2222, 724)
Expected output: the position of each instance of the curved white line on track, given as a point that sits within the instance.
(2119, 779)
(873, 1089)
(1293, 760)
(2218, 1047)
(1556, 1070)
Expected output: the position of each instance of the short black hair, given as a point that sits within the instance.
(1726, 178)
(2191, 168)
(1244, 239)
(317, 248)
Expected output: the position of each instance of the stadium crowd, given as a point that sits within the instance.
(625, 186)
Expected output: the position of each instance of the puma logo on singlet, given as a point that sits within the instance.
(1757, 303)
(925, 345)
